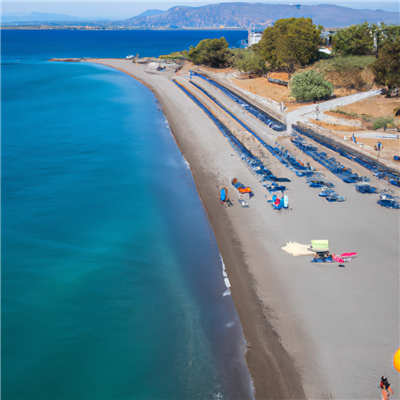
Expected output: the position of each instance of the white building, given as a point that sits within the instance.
(254, 37)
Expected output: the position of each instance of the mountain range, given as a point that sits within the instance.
(245, 14)
(235, 15)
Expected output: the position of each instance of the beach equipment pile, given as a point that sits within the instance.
(330, 163)
(365, 188)
(319, 249)
(346, 174)
(319, 181)
(331, 196)
(279, 203)
(389, 201)
(274, 187)
(379, 171)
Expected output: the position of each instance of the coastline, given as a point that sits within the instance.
(276, 295)
(267, 360)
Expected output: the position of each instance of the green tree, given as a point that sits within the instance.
(211, 52)
(246, 60)
(386, 67)
(290, 43)
(356, 40)
(310, 86)
(385, 33)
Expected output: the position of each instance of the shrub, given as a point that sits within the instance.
(349, 113)
(246, 60)
(349, 72)
(177, 55)
(310, 85)
(348, 63)
(211, 52)
(382, 122)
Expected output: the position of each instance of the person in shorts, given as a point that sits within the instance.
(385, 387)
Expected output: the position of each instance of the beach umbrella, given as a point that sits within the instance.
(396, 360)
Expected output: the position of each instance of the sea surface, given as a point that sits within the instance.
(112, 284)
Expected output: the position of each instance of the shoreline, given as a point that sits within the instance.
(293, 314)
(269, 364)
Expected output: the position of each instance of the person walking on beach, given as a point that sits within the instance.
(385, 387)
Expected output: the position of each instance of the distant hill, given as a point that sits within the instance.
(37, 17)
(150, 13)
(244, 14)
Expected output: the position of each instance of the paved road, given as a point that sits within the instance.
(301, 113)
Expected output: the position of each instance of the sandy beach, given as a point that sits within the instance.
(313, 330)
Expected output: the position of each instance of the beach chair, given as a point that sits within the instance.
(285, 201)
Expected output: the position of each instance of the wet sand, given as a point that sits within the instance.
(314, 330)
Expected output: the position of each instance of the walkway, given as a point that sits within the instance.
(300, 113)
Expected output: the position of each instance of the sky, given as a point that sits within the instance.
(113, 10)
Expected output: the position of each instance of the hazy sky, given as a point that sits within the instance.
(125, 9)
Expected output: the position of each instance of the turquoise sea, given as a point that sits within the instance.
(111, 278)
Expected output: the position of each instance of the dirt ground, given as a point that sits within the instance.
(263, 88)
(283, 76)
(377, 106)
(276, 92)
(372, 107)
(335, 127)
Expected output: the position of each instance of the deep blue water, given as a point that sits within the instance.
(63, 43)
(112, 284)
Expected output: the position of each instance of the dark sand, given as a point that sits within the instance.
(315, 331)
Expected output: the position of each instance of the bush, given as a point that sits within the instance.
(349, 72)
(348, 113)
(246, 60)
(346, 64)
(177, 55)
(310, 86)
(213, 53)
(382, 122)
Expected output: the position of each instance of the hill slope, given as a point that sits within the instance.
(150, 13)
(244, 14)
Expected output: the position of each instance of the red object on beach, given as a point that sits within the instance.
(345, 257)
(348, 255)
